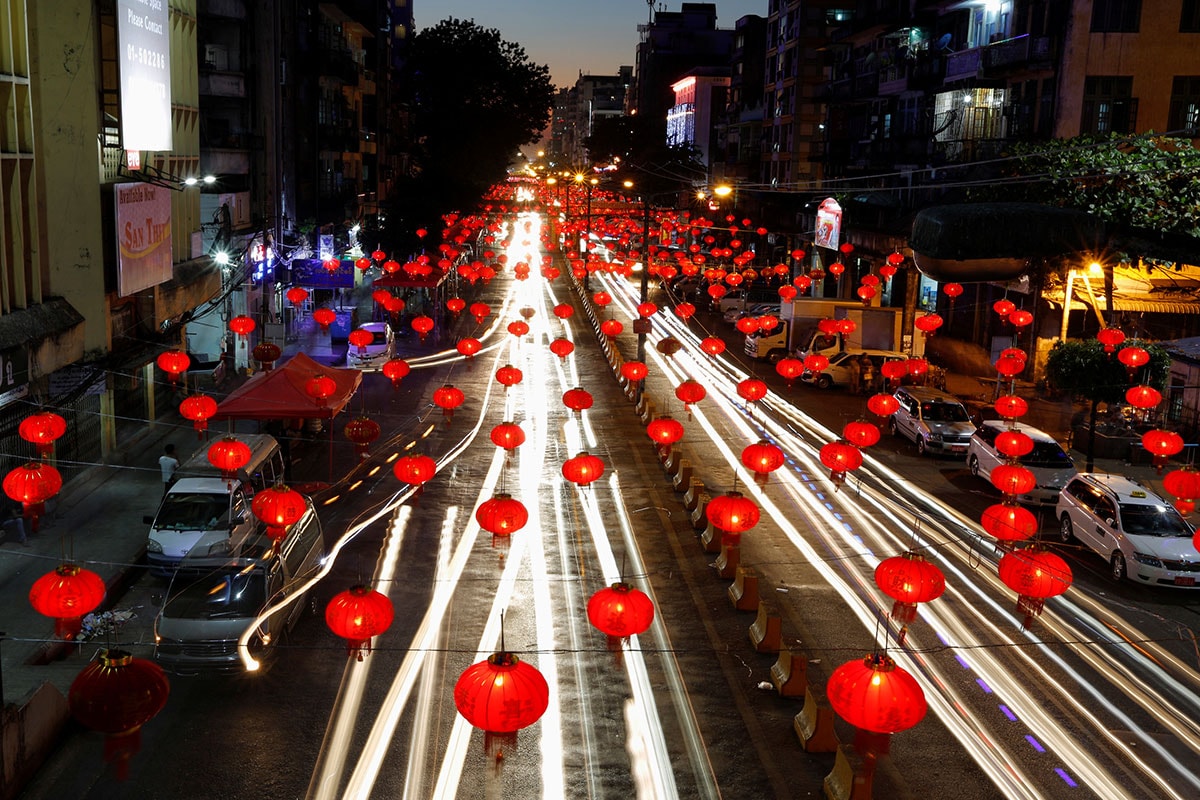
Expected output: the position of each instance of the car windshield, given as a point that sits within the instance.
(1047, 455)
(208, 595)
(193, 512)
(1152, 520)
(943, 412)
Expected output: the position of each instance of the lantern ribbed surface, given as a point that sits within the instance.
(67, 591)
(909, 578)
(501, 694)
(620, 610)
(873, 694)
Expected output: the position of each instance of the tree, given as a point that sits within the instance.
(1082, 369)
(474, 99)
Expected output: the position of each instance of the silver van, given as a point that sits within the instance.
(934, 420)
(217, 592)
(1048, 462)
(203, 509)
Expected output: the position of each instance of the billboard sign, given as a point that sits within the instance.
(143, 236)
(143, 37)
(829, 224)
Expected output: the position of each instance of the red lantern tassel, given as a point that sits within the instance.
(119, 748)
(1031, 607)
(498, 745)
(67, 628)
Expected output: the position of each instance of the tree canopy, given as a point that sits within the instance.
(474, 99)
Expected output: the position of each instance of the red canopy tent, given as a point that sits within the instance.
(280, 394)
(400, 280)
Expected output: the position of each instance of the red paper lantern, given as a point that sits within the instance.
(768, 322)
(840, 457)
(634, 371)
(1013, 444)
(394, 370)
(1009, 522)
(1183, 483)
(563, 310)
(480, 311)
(242, 326)
(509, 376)
(116, 694)
(611, 328)
(789, 369)
(174, 363)
(1010, 406)
(508, 435)
(952, 290)
(665, 431)
(1035, 574)
(422, 325)
(577, 399)
(331, 264)
(1013, 479)
(716, 291)
(415, 470)
(685, 310)
(362, 432)
(199, 408)
(1009, 367)
(1133, 358)
(668, 346)
(875, 695)
(894, 371)
(500, 696)
(690, 392)
(908, 579)
(562, 347)
(1004, 307)
(1020, 318)
(502, 515)
(469, 346)
(279, 508)
(928, 323)
(362, 263)
(747, 325)
(32, 484)
(732, 512)
(296, 295)
(42, 430)
(816, 362)
(448, 398)
(762, 458)
(1143, 396)
(378, 255)
(883, 405)
(360, 338)
(712, 345)
(357, 615)
(228, 455)
(324, 317)
(787, 293)
(583, 469)
(320, 388)
(861, 433)
(455, 305)
(602, 298)
(266, 353)
(620, 611)
(518, 327)
(1162, 445)
(65, 595)
(836, 269)
(752, 390)
(647, 309)
(1111, 338)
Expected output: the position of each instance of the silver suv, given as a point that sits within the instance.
(936, 421)
(1141, 535)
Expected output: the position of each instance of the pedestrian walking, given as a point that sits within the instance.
(867, 370)
(168, 463)
(854, 375)
(12, 515)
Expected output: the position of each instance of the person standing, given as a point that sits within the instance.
(867, 369)
(168, 463)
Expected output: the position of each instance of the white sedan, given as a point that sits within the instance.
(380, 350)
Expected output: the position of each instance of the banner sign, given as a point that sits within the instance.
(143, 236)
(311, 272)
(829, 224)
(143, 37)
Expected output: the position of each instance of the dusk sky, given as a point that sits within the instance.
(593, 36)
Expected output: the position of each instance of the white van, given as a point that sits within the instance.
(1048, 462)
(838, 371)
(214, 596)
(203, 509)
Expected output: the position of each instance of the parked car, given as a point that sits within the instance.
(743, 298)
(838, 371)
(1048, 462)
(381, 348)
(934, 420)
(1140, 534)
(755, 310)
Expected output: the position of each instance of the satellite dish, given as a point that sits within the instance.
(869, 61)
(943, 42)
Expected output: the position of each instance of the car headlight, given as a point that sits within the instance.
(934, 436)
(1148, 560)
(153, 547)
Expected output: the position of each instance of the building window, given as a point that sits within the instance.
(1108, 105)
(1185, 105)
(1116, 16)
(1189, 17)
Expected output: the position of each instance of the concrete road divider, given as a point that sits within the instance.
(691, 498)
(712, 539)
(683, 478)
(727, 562)
(851, 778)
(670, 460)
(766, 632)
(699, 519)
(743, 592)
(648, 411)
(814, 727)
(790, 673)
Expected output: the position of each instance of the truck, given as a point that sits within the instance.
(876, 328)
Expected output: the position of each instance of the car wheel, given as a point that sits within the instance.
(1117, 565)
(1066, 531)
(973, 465)
(921, 446)
(774, 357)
(824, 382)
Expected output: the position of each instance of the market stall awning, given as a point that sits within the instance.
(280, 393)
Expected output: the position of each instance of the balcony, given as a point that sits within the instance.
(1021, 52)
(963, 65)
(225, 161)
(893, 80)
(340, 65)
(222, 84)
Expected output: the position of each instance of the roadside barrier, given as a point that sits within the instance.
(814, 728)
(851, 777)
(699, 519)
(743, 592)
(670, 460)
(766, 632)
(727, 562)
(712, 539)
(683, 477)
(790, 673)
(691, 498)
